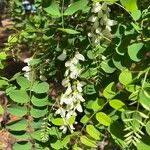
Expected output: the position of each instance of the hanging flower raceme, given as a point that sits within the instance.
(70, 100)
(101, 24)
(27, 69)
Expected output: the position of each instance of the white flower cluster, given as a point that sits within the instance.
(70, 100)
(27, 68)
(101, 23)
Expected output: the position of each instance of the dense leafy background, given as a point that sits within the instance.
(115, 73)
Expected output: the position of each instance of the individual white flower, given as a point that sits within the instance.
(69, 90)
(70, 113)
(79, 108)
(93, 18)
(65, 82)
(27, 60)
(110, 22)
(63, 128)
(66, 73)
(79, 86)
(79, 56)
(75, 61)
(96, 24)
(26, 69)
(61, 111)
(97, 7)
(98, 30)
(90, 34)
(78, 96)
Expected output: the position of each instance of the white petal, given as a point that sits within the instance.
(93, 18)
(69, 90)
(80, 56)
(96, 8)
(27, 60)
(79, 108)
(65, 82)
(98, 30)
(66, 73)
(26, 69)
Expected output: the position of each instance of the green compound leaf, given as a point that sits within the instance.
(76, 6)
(19, 96)
(117, 104)
(125, 77)
(40, 88)
(38, 113)
(17, 111)
(58, 121)
(53, 9)
(109, 91)
(103, 119)
(18, 125)
(88, 142)
(93, 132)
(69, 31)
(26, 146)
(39, 101)
(134, 51)
(23, 82)
(130, 5)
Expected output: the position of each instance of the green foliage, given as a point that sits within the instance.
(88, 79)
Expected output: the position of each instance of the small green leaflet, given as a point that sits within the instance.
(117, 104)
(69, 31)
(130, 5)
(26, 146)
(144, 98)
(148, 127)
(93, 132)
(88, 142)
(133, 51)
(53, 9)
(76, 6)
(38, 113)
(125, 77)
(18, 125)
(19, 96)
(42, 87)
(109, 91)
(23, 82)
(103, 119)
(58, 121)
(17, 110)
